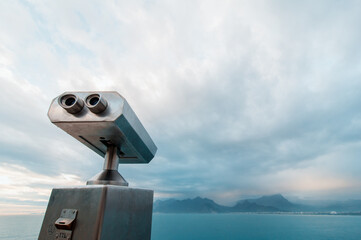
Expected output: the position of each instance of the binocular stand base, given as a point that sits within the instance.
(108, 177)
(98, 212)
(110, 174)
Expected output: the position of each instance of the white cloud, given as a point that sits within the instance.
(22, 188)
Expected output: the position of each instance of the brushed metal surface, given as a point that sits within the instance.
(104, 212)
(117, 124)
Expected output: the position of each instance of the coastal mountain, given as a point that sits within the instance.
(265, 204)
(196, 205)
(274, 203)
(247, 206)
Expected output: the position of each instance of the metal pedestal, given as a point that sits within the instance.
(98, 212)
(106, 209)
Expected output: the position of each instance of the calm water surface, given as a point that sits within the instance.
(218, 226)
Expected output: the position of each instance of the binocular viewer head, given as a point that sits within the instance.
(100, 120)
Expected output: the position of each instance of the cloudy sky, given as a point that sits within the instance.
(242, 98)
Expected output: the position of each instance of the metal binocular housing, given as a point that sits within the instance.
(104, 122)
(107, 208)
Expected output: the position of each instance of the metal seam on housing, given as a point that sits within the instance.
(91, 144)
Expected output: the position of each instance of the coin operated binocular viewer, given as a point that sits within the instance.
(106, 208)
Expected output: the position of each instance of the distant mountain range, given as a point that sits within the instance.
(266, 204)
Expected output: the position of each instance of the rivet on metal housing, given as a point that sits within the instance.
(96, 103)
(71, 103)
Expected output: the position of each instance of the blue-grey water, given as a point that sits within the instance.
(218, 226)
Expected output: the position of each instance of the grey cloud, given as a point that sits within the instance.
(230, 92)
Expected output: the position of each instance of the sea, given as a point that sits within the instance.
(219, 226)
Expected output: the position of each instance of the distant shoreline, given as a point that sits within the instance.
(234, 213)
(268, 213)
(271, 204)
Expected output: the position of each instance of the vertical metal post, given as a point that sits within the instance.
(110, 174)
(111, 160)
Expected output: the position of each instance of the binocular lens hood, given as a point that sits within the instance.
(71, 103)
(96, 103)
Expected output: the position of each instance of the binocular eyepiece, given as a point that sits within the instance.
(72, 104)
